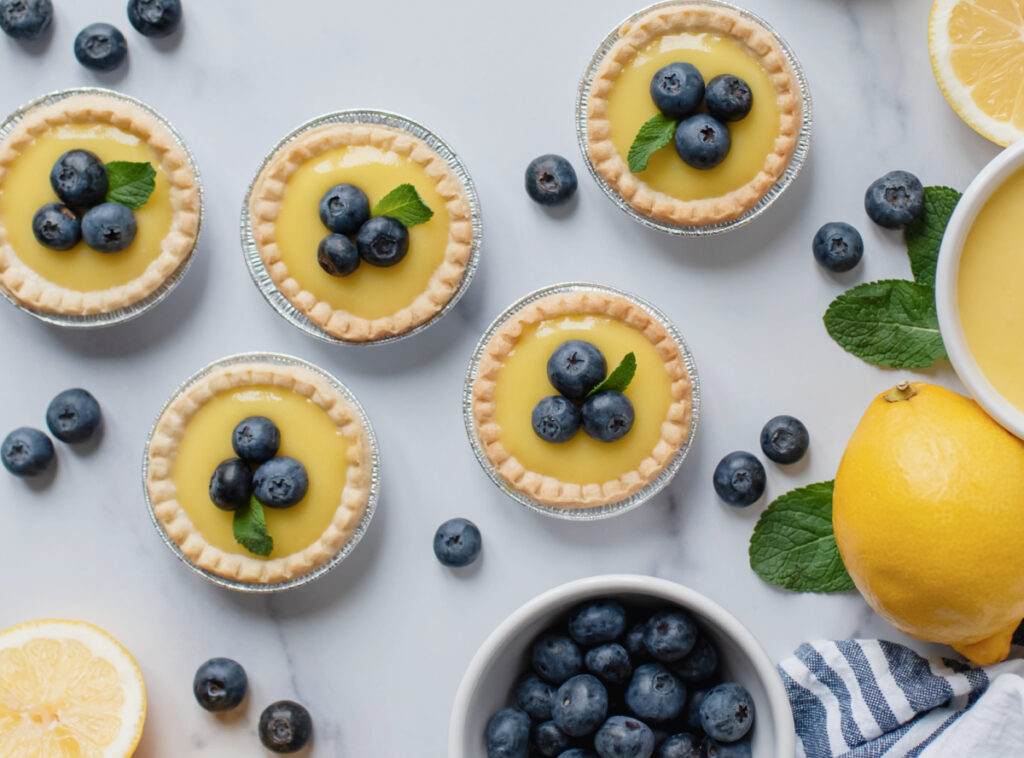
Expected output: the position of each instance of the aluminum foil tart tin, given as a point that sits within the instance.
(580, 514)
(259, 273)
(129, 312)
(371, 507)
(795, 164)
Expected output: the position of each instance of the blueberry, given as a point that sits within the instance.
(624, 737)
(285, 727)
(581, 705)
(457, 542)
(597, 621)
(677, 89)
(579, 752)
(784, 439)
(727, 712)
(655, 694)
(337, 255)
(26, 452)
(549, 740)
(691, 713)
(382, 241)
(231, 485)
(80, 179)
(728, 98)
(556, 419)
(154, 18)
(739, 479)
(280, 482)
(607, 416)
(634, 643)
(536, 697)
(344, 208)
(702, 141)
(575, 368)
(556, 658)
(25, 19)
(896, 200)
(57, 227)
(699, 665)
(73, 416)
(713, 749)
(109, 227)
(220, 685)
(508, 734)
(682, 745)
(256, 439)
(550, 180)
(838, 246)
(610, 663)
(670, 635)
(101, 47)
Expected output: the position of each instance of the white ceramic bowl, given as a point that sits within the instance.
(491, 676)
(1001, 168)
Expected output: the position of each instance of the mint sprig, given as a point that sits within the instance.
(925, 237)
(404, 204)
(250, 529)
(655, 134)
(129, 183)
(793, 545)
(620, 378)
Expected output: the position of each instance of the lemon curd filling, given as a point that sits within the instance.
(523, 381)
(753, 138)
(307, 434)
(25, 188)
(990, 280)
(370, 292)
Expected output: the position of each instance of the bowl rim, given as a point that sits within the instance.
(981, 188)
(564, 594)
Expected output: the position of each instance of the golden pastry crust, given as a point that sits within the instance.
(163, 449)
(761, 45)
(268, 197)
(675, 430)
(36, 292)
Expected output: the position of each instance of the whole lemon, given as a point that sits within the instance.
(929, 518)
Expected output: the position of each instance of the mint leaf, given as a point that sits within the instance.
(250, 529)
(924, 237)
(891, 323)
(793, 545)
(404, 203)
(620, 378)
(653, 136)
(130, 184)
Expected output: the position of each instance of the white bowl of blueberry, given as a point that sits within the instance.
(621, 667)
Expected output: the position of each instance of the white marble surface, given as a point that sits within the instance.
(377, 648)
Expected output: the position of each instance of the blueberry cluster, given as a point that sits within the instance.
(73, 416)
(701, 139)
(276, 481)
(380, 241)
(601, 687)
(575, 368)
(740, 477)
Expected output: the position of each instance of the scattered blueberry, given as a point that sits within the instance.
(26, 452)
(713, 749)
(57, 227)
(457, 542)
(549, 740)
(556, 419)
(670, 635)
(154, 18)
(337, 255)
(739, 479)
(727, 712)
(896, 200)
(556, 658)
(699, 665)
(655, 694)
(785, 439)
(838, 246)
(677, 89)
(550, 180)
(256, 439)
(80, 179)
(508, 734)
(280, 482)
(285, 727)
(25, 19)
(231, 485)
(344, 208)
(634, 643)
(581, 705)
(610, 663)
(702, 141)
(597, 621)
(109, 227)
(73, 416)
(682, 745)
(728, 98)
(382, 241)
(607, 416)
(691, 713)
(101, 47)
(536, 697)
(220, 685)
(624, 737)
(575, 368)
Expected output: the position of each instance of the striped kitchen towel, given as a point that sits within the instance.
(871, 698)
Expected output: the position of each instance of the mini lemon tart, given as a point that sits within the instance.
(511, 380)
(319, 427)
(83, 281)
(373, 302)
(718, 40)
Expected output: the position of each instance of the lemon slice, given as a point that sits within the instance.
(68, 690)
(977, 51)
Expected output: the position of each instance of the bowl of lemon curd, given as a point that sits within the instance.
(979, 285)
